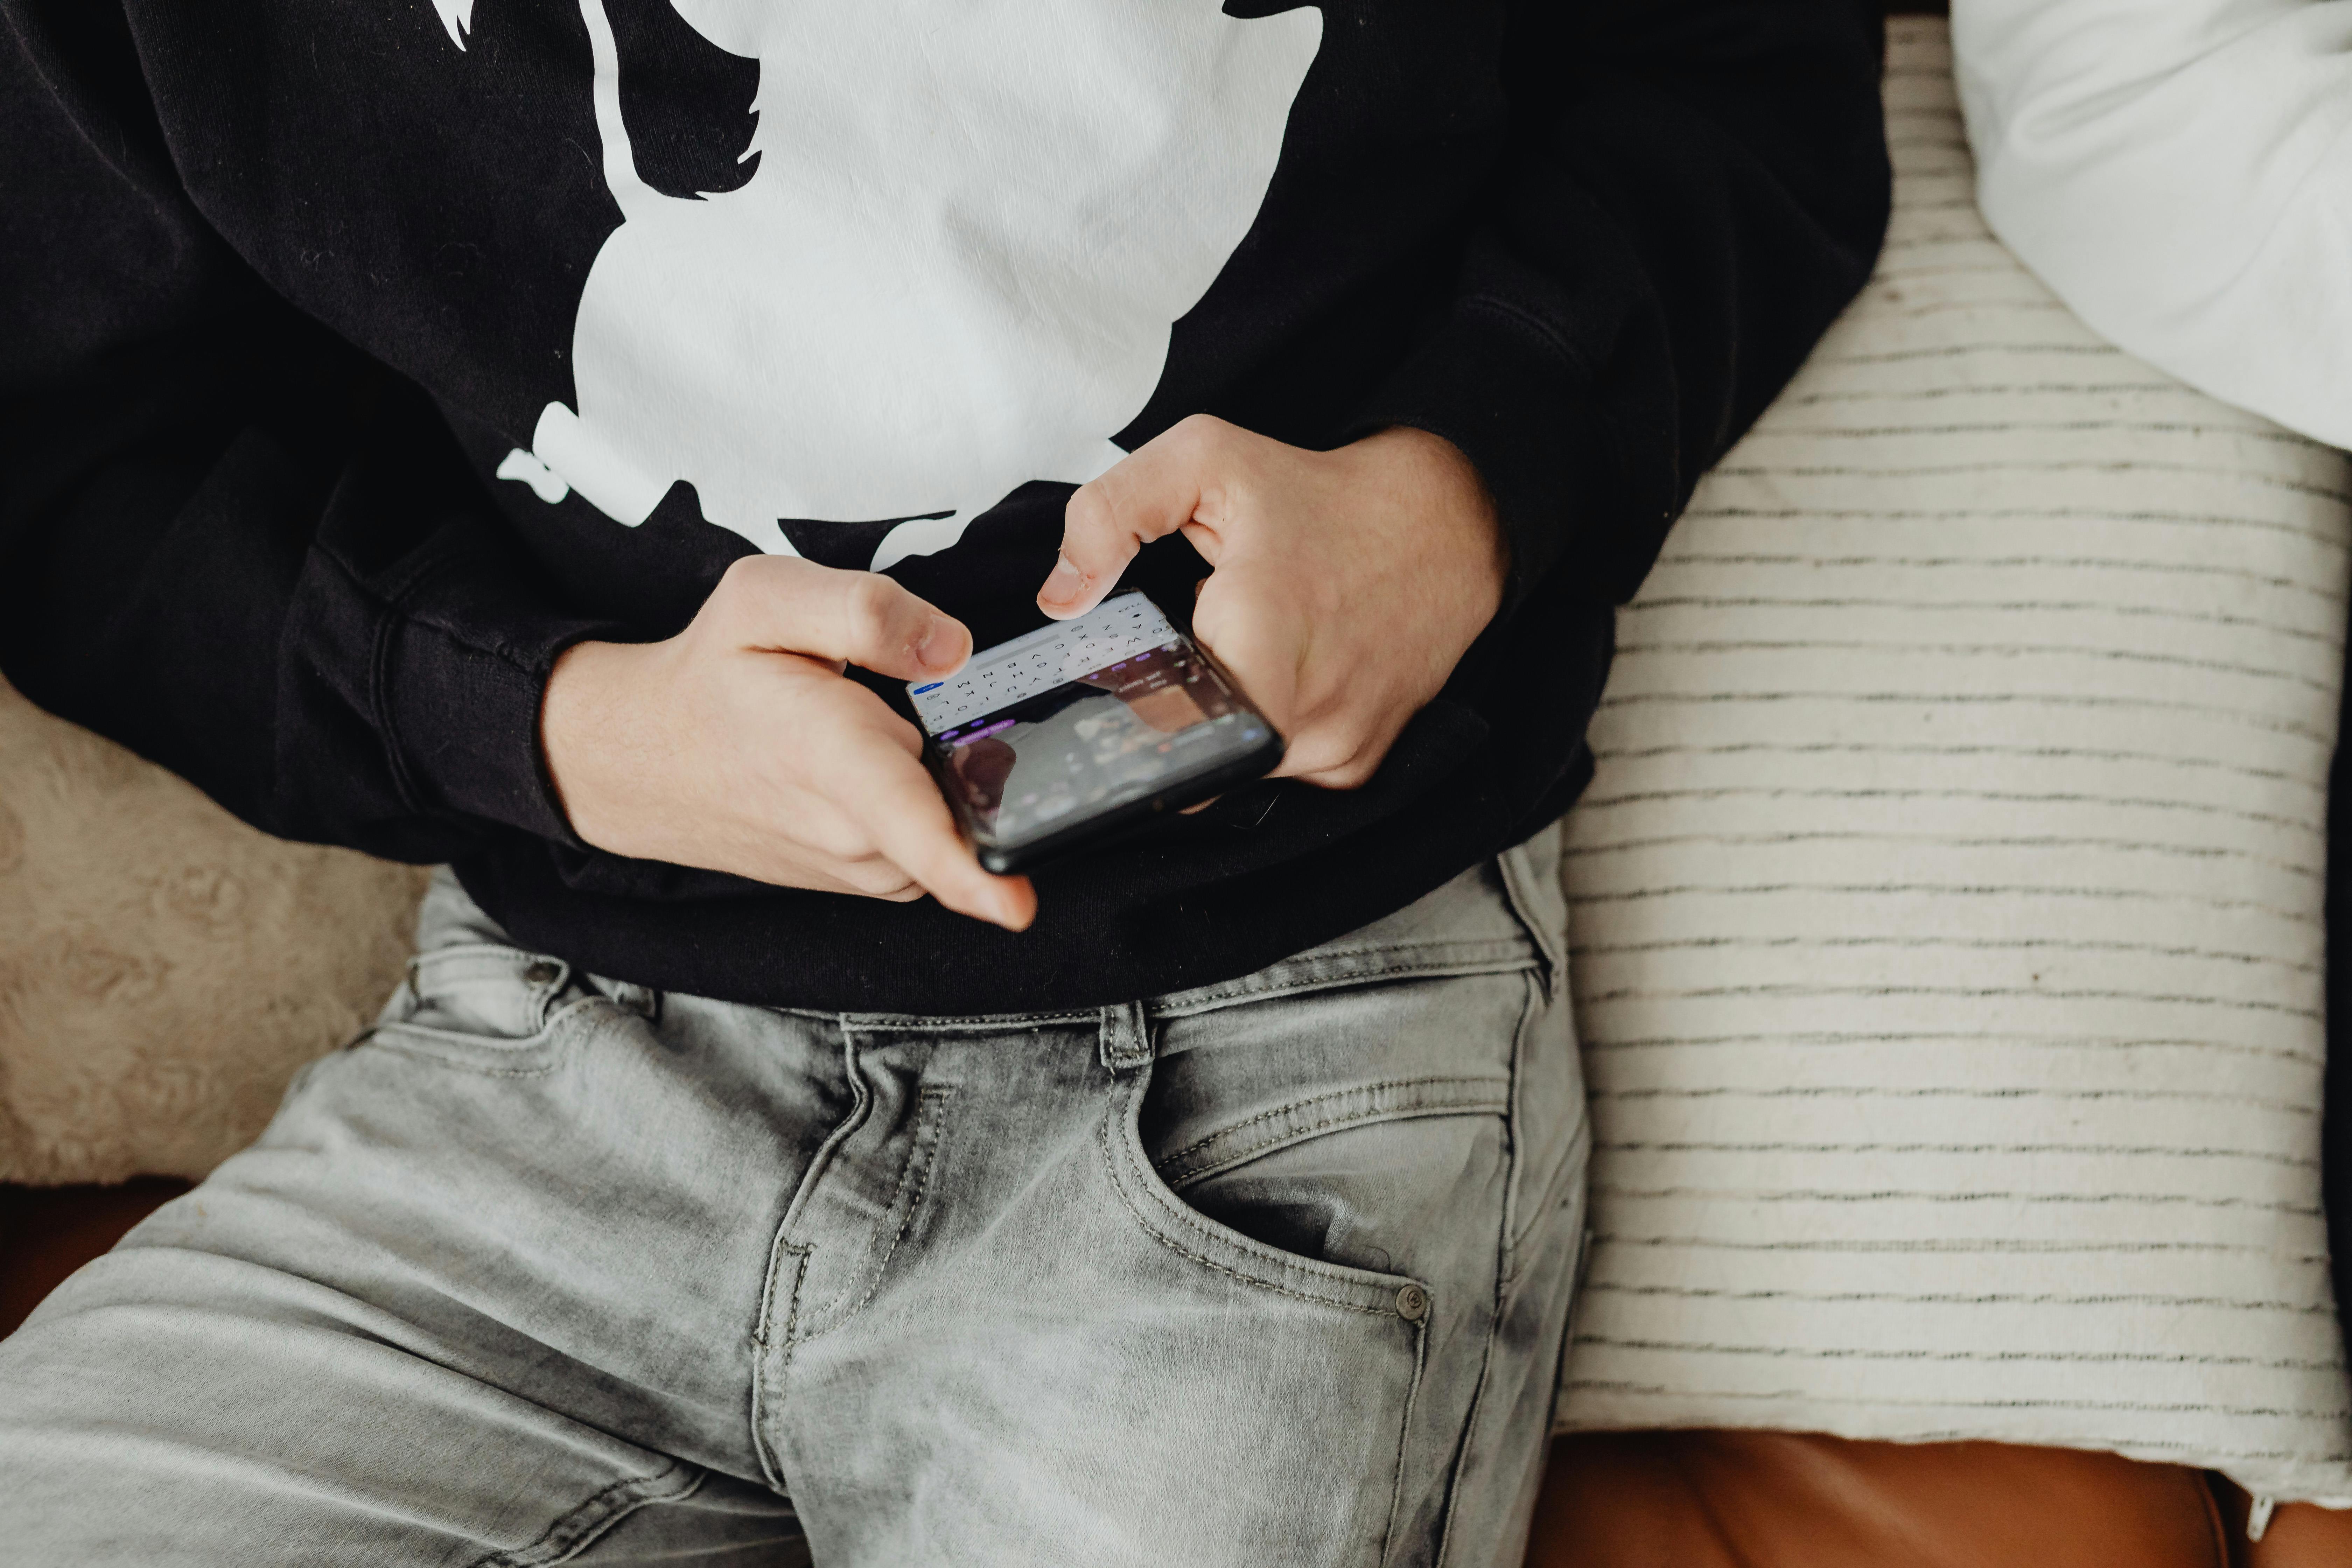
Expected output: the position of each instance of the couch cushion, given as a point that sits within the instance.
(1946, 905)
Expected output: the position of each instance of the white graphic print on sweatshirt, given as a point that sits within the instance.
(954, 271)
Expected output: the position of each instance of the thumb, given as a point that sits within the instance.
(1148, 495)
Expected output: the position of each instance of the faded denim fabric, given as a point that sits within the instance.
(547, 1269)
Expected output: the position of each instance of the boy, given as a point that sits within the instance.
(531, 435)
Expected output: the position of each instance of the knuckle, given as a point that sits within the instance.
(1362, 750)
(752, 575)
(1199, 432)
(1323, 753)
(1316, 763)
(1090, 510)
(870, 608)
(735, 588)
(746, 593)
(838, 839)
(879, 879)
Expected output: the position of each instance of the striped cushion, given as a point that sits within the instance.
(1948, 901)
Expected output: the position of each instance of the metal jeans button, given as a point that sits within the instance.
(542, 972)
(1412, 1303)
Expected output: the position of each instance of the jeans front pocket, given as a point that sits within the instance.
(1361, 1145)
(1283, 1386)
(1328, 1125)
(1228, 1249)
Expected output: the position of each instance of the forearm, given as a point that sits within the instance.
(259, 561)
(2180, 174)
(228, 539)
(1694, 191)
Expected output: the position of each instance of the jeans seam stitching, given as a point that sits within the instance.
(1404, 1435)
(1333, 951)
(1470, 1423)
(780, 1344)
(1207, 998)
(1506, 1262)
(433, 955)
(534, 1551)
(771, 1463)
(974, 1024)
(1175, 1167)
(1239, 1158)
(1553, 956)
(931, 1110)
(1579, 1138)
(935, 1101)
(544, 1039)
(1531, 1012)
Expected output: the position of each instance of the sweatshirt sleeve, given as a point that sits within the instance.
(2180, 174)
(1693, 190)
(228, 539)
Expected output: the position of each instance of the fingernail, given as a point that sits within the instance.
(938, 647)
(1064, 582)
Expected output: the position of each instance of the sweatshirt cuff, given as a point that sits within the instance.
(1502, 389)
(463, 717)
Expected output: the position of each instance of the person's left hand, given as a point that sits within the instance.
(1345, 586)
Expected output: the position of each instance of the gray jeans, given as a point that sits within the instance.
(546, 1269)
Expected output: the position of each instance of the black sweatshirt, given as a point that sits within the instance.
(355, 360)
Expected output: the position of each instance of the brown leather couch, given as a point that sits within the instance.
(1660, 1500)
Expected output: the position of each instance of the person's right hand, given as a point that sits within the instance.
(738, 745)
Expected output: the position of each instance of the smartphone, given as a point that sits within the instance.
(1065, 736)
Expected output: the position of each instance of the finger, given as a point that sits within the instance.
(1353, 773)
(1148, 495)
(792, 605)
(879, 877)
(1319, 748)
(825, 875)
(1341, 754)
(901, 810)
(1329, 750)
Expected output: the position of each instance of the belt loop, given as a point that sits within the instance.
(630, 997)
(1531, 884)
(1126, 1036)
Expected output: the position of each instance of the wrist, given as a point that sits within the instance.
(1434, 482)
(584, 739)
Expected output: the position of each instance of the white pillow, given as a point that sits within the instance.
(1947, 901)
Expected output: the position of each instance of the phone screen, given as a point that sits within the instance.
(1077, 724)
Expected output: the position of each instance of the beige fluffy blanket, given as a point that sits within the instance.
(164, 968)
